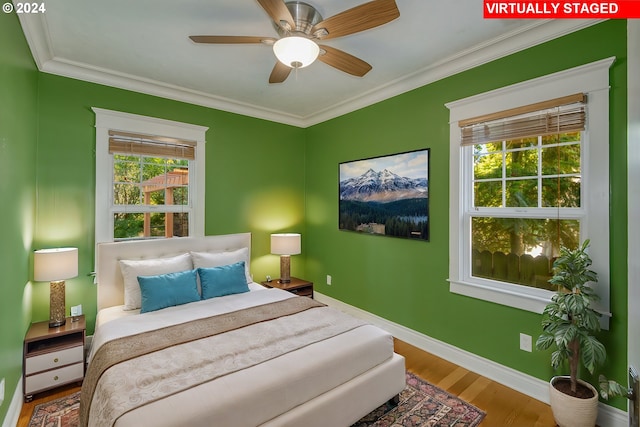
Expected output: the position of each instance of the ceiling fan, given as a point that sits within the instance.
(301, 26)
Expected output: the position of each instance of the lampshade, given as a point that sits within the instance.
(55, 264)
(296, 52)
(285, 244)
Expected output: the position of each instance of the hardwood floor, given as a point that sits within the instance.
(504, 406)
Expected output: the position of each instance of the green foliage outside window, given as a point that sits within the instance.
(530, 173)
(131, 175)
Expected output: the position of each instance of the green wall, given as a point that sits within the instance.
(18, 124)
(253, 170)
(265, 177)
(406, 281)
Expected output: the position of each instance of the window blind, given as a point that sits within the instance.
(559, 115)
(150, 145)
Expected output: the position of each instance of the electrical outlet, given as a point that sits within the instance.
(328, 280)
(525, 342)
(1, 391)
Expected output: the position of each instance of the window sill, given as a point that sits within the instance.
(523, 298)
(504, 296)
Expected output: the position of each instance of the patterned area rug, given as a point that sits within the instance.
(421, 405)
(61, 412)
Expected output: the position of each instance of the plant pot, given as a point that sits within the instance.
(569, 411)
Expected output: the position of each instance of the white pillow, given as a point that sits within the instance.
(131, 269)
(218, 259)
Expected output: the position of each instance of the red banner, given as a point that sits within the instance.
(517, 9)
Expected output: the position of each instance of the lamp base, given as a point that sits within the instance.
(57, 304)
(285, 269)
(57, 323)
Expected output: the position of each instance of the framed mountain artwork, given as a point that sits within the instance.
(387, 195)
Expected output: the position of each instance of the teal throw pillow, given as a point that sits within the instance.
(167, 290)
(224, 280)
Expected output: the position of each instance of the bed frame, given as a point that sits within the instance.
(341, 406)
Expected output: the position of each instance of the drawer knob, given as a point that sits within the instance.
(55, 378)
(55, 360)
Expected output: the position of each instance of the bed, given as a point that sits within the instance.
(248, 357)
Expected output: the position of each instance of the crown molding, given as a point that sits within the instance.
(36, 32)
(536, 33)
(37, 35)
(133, 83)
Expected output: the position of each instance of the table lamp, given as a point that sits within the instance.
(55, 266)
(285, 245)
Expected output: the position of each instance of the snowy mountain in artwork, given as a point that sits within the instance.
(384, 186)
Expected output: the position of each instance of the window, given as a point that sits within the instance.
(149, 177)
(529, 173)
(523, 200)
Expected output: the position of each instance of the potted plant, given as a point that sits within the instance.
(569, 323)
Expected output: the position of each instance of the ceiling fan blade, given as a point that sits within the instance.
(344, 61)
(279, 73)
(232, 39)
(278, 11)
(359, 18)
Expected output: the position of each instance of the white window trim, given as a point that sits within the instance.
(592, 79)
(114, 120)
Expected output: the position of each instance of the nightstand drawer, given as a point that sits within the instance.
(53, 360)
(54, 378)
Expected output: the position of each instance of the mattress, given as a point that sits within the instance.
(256, 394)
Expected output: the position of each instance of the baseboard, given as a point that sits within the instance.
(13, 414)
(608, 416)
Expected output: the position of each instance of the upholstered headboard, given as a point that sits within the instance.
(108, 275)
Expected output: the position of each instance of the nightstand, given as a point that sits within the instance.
(296, 286)
(53, 356)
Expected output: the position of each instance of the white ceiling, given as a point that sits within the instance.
(143, 45)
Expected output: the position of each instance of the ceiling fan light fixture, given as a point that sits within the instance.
(295, 51)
